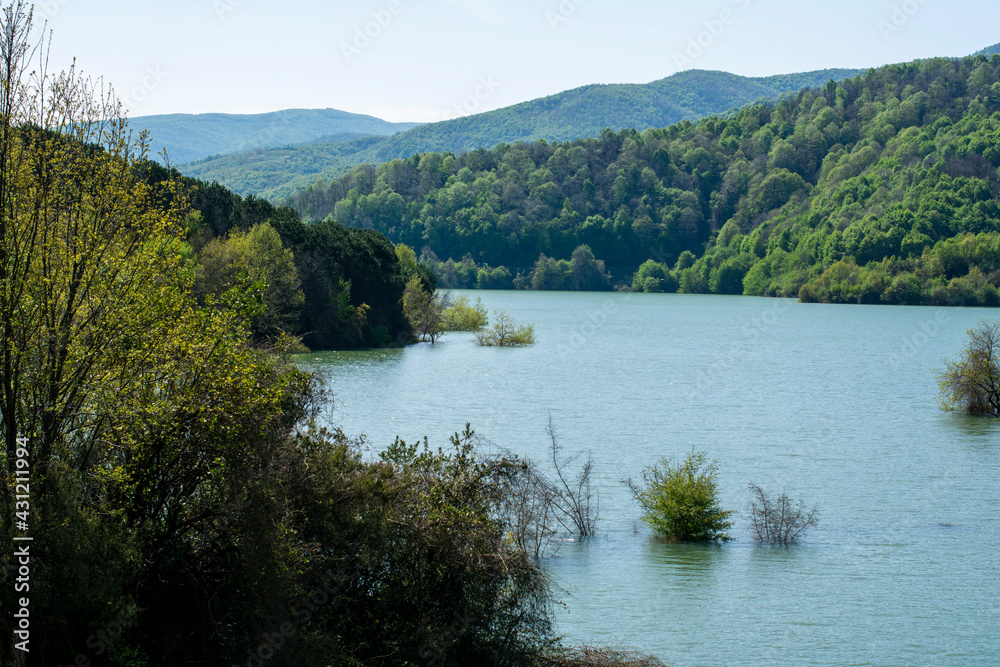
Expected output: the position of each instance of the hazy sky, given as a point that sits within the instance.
(425, 60)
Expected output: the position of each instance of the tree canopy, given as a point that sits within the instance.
(879, 189)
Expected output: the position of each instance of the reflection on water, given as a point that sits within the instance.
(683, 564)
(900, 570)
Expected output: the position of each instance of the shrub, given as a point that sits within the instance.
(463, 316)
(778, 520)
(681, 500)
(506, 333)
(972, 384)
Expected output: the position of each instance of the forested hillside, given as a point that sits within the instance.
(880, 188)
(581, 112)
(329, 285)
(189, 137)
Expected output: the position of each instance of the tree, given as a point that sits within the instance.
(144, 415)
(425, 311)
(259, 258)
(778, 520)
(680, 500)
(587, 272)
(505, 332)
(972, 383)
(654, 277)
(462, 315)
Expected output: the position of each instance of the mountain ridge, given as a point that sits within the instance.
(192, 137)
(571, 114)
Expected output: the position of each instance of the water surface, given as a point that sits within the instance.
(836, 404)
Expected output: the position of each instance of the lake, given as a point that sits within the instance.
(834, 404)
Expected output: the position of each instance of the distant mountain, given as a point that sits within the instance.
(581, 112)
(988, 51)
(190, 137)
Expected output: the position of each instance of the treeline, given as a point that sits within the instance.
(330, 285)
(582, 271)
(859, 191)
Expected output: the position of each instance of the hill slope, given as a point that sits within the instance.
(988, 51)
(884, 188)
(576, 113)
(190, 137)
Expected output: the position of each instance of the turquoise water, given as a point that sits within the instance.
(835, 404)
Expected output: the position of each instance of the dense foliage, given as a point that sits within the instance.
(882, 188)
(680, 499)
(581, 112)
(351, 280)
(971, 384)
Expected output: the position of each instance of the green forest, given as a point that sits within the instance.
(879, 189)
(323, 284)
(581, 112)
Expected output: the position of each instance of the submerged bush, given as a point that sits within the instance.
(681, 500)
(972, 383)
(778, 520)
(462, 315)
(506, 333)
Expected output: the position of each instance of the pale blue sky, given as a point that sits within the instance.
(428, 61)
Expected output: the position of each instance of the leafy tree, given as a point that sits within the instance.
(971, 384)
(680, 500)
(426, 312)
(462, 315)
(258, 258)
(505, 332)
(654, 277)
(410, 267)
(587, 272)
